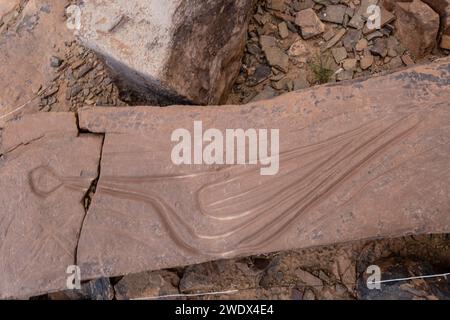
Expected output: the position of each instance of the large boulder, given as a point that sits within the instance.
(417, 27)
(174, 51)
(442, 7)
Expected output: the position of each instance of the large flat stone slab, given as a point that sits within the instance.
(46, 169)
(169, 51)
(365, 159)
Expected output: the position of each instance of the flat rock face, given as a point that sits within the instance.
(354, 164)
(45, 172)
(169, 51)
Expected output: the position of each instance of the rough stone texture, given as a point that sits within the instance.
(274, 55)
(45, 171)
(442, 7)
(355, 164)
(417, 27)
(445, 42)
(6, 6)
(309, 23)
(169, 51)
(98, 289)
(24, 55)
(147, 285)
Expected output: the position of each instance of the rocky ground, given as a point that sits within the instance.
(282, 54)
(280, 57)
(334, 272)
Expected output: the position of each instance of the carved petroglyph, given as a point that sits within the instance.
(363, 160)
(44, 181)
(308, 175)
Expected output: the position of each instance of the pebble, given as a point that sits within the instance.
(361, 45)
(283, 30)
(407, 60)
(366, 62)
(55, 62)
(349, 64)
(339, 54)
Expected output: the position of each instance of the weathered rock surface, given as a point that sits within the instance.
(45, 171)
(6, 6)
(147, 285)
(169, 51)
(417, 27)
(38, 33)
(442, 7)
(309, 23)
(353, 165)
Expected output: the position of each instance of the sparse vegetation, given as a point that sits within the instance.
(322, 74)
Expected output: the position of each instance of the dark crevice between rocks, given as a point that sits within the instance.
(90, 193)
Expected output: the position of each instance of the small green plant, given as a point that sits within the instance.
(321, 72)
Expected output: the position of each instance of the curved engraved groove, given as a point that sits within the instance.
(315, 194)
(286, 221)
(171, 221)
(250, 198)
(310, 174)
(44, 181)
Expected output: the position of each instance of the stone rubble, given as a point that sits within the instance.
(315, 29)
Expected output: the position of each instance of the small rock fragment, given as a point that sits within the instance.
(333, 14)
(351, 39)
(361, 45)
(349, 64)
(328, 35)
(380, 47)
(278, 5)
(339, 54)
(396, 63)
(337, 37)
(309, 23)
(445, 42)
(366, 62)
(275, 56)
(55, 62)
(283, 30)
(345, 75)
(407, 60)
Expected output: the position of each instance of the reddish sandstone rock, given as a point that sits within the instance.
(45, 172)
(354, 164)
(309, 23)
(6, 6)
(417, 27)
(442, 7)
